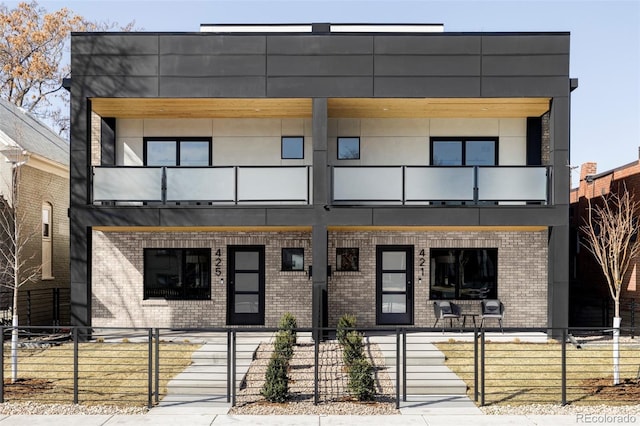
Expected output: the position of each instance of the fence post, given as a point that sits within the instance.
(404, 365)
(150, 369)
(75, 365)
(482, 359)
(157, 389)
(316, 368)
(233, 368)
(475, 364)
(397, 368)
(564, 367)
(229, 362)
(2, 366)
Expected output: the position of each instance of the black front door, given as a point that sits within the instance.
(394, 285)
(245, 285)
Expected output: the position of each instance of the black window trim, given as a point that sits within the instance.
(183, 262)
(457, 287)
(177, 140)
(357, 251)
(338, 147)
(282, 138)
(464, 140)
(282, 265)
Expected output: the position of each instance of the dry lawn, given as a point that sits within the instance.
(108, 373)
(525, 373)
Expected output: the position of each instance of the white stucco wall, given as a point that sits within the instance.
(382, 141)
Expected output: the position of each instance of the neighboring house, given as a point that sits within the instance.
(590, 300)
(229, 176)
(43, 203)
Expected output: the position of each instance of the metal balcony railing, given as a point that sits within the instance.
(433, 185)
(210, 185)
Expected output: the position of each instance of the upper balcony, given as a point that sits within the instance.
(401, 152)
(361, 185)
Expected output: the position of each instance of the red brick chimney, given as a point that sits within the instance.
(588, 169)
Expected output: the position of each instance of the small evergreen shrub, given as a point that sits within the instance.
(288, 323)
(283, 344)
(346, 322)
(276, 384)
(353, 348)
(361, 380)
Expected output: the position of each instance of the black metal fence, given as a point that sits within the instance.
(146, 366)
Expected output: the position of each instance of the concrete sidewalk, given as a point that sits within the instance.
(400, 420)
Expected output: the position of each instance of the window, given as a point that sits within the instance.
(293, 259)
(292, 147)
(177, 274)
(464, 151)
(47, 245)
(186, 152)
(348, 148)
(464, 274)
(347, 259)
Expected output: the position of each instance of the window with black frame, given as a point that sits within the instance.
(185, 152)
(293, 259)
(177, 274)
(468, 273)
(347, 259)
(464, 151)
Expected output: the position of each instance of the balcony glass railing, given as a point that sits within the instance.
(225, 185)
(424, 185)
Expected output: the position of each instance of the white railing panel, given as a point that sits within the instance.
(201, 184)
(367, 184)
(259, 184)
(439, 183)
(127, 184)
(512, 183)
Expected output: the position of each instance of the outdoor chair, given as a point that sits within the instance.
(491, 309)
(444, 310)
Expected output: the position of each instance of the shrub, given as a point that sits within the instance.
(288, 323)
(276, 384)
(346, 322)
(353, 348)
(361, 380)
(283, 344)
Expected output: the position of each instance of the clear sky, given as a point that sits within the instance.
(605, 45)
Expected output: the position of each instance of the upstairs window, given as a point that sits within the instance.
(461, 151)
(348, 148)
(186, 152)
(292, 147)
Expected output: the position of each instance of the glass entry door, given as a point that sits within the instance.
(245, 285)
(394, 284)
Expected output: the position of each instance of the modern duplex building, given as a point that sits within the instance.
(228, 176)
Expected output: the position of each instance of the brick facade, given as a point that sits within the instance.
(589, 287)
(117, 272)
(35, 298)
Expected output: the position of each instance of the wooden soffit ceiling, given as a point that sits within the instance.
(337, 107)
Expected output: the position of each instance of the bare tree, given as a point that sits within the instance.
(33, 43)
(19, 263)
(611, 229)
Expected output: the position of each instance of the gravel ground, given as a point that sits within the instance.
(549, 409)
(31, 408)
(334, 397)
